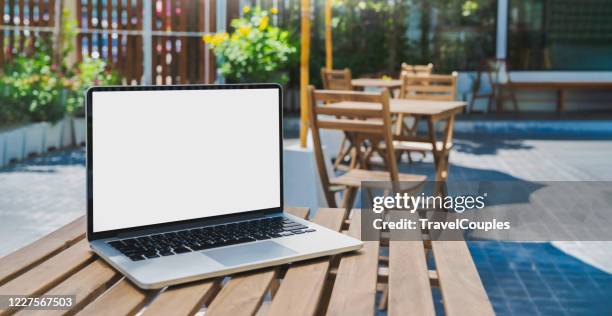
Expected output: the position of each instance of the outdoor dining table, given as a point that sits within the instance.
(433, 112)
(61, 263)
(363, 83)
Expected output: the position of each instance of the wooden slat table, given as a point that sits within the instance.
(61, 263)
(433, 112)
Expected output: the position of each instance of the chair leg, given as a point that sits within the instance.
(383, 156)
(384, 299)
(342, 153)
(349, 198)
(398, 155)
(470, 106)
(513, 98)
(412, 131)
(499, 102)
(368, 155)
(490, 101)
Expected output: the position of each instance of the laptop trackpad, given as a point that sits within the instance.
(249, 253)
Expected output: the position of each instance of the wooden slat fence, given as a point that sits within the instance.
(16, 17)
(113, 30)
(97, 19)
(179, 54)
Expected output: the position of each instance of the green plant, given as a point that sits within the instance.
(256, 51)
(34, 88)
(66, 40)
(31, 89)
(90, 72)
(9, 114)
(373, 37)
(79, 77)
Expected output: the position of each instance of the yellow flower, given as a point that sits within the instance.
(219, 38)
(385, 77)
(274, 11)
(244, 30)
(246, 9)
(264, 23)
(215, 39)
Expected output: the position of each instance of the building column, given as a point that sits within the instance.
(147, 42)
(502, 29)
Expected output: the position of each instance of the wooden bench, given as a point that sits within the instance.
(61, 263)
(560, 86)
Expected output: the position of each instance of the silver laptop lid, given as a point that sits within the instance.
(168, 155)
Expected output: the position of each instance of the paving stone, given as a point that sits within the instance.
(40, 195)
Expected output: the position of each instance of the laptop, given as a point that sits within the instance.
(186, 183)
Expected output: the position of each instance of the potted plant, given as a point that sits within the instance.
(256, 51)
(41, 88)
(32, 86)
(13, 145)
(1, 150)
(11, 138)
(90, 72)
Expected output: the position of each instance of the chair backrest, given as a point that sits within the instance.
(429, 87)
(362, 116)
(417, 69)
(336, 79)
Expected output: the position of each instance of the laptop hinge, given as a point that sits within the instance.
(195, 224)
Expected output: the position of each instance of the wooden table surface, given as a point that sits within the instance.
(376, 83)
(61, 263)
(408, 106)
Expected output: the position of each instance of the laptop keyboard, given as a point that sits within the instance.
(167, 244)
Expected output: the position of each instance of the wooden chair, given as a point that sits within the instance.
(417, 69)
(498, 78)
(503, 84)
(429, 87)
(336, 79)
(423, 87)
(361, 126)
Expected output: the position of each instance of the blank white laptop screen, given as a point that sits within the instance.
(171, 155)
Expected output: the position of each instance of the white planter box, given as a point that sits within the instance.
(67, 137)
(78, 125)
(53, 135)
(302, 186)
(2, 145)
(331, 141)
(34, 139)
(13, 145)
